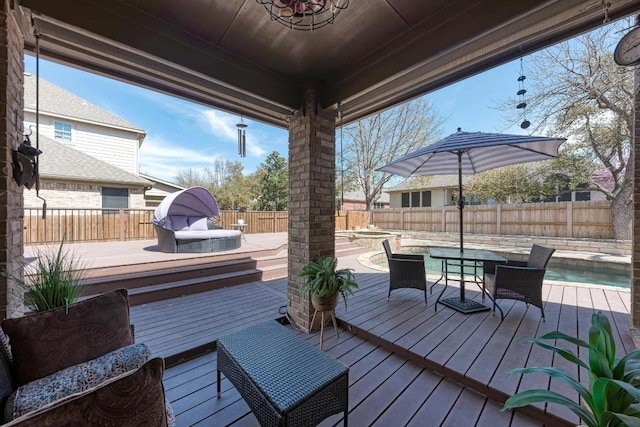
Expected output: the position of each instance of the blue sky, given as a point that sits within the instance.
(182, 134)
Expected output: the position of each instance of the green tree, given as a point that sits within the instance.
(225, 180)
(273, 187)
(580, 93)
(234, 193)
(531, 182)
(376, 140)
(511, 184)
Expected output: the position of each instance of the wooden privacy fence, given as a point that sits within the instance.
(96, 225)
(564, 219)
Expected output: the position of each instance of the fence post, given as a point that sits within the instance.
(121, 221)
(498, 220)
(569, 219)
(443, 226)
(275, 222)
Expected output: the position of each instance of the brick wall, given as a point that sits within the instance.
(11, 202)
(60, 195)
(311, 198)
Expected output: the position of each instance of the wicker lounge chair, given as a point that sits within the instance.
(405, 271)
(182, 223)
(519, 280)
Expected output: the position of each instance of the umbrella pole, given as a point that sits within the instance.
(461, 208)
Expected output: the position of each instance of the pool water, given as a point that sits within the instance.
(564, 273)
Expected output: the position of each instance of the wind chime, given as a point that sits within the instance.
(522, 104)
(242, 138)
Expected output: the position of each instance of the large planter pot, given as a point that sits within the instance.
(325, 303)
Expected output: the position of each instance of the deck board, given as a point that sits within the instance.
(385, 389)
(388, 388)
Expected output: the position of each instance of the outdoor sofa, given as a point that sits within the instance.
(79, 365)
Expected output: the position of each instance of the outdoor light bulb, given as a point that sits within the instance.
(285, 12)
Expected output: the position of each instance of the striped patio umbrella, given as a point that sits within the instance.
(471, 152)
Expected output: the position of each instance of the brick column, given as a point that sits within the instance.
(635, 249)
(311, 198)
(11, 202)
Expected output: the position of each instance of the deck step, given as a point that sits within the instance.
(155, 277)
(143, 295)
(157, 281)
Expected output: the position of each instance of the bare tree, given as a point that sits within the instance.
(376, 140)
(580, 93)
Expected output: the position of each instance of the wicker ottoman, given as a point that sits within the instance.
(285, 380)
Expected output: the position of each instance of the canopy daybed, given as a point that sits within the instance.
(184, 223)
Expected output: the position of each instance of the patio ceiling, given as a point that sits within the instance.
(228, 54)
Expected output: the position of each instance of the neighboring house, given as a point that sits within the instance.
(440, 190)
(435, 191)
(70, 178)
(89, 156)
(356, 201)
(159, 190)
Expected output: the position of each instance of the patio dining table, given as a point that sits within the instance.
(474, 258)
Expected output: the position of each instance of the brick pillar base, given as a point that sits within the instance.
(11, 202)
(311, 199)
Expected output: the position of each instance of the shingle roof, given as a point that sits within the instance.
(61, 162)
(359, 196)
(435, 181)
(58, 101)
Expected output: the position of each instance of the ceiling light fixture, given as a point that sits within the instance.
(304, 15)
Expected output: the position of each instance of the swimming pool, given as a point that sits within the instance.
(556, 271)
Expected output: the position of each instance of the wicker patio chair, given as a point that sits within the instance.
(519, 280)
(405, 271)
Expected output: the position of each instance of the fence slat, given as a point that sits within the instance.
(564, 219)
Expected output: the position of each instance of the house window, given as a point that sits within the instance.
(583, 194)
(62, 131)
(426, 199)
(415, 199)
(405, 200)
(378, 205)
(115, 198)
(564, 196)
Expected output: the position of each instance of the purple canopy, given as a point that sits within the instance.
(192, 202)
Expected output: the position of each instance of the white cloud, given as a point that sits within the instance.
(162, 159)
(223, 125)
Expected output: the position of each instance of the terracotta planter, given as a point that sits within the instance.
(325, 303)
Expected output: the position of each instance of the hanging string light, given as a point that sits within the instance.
(522, 104)
(242, 138)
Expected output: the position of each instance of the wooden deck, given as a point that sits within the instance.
(408, 362)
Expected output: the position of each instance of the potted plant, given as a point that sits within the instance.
(325, 283)
(612, 396)
(55, 279)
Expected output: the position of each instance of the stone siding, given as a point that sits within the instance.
(61, 195)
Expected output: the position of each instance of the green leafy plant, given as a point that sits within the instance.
(55, 279)
(324, 280)
(612, 396)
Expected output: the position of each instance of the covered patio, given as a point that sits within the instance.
(378, 53)
(408, 362)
